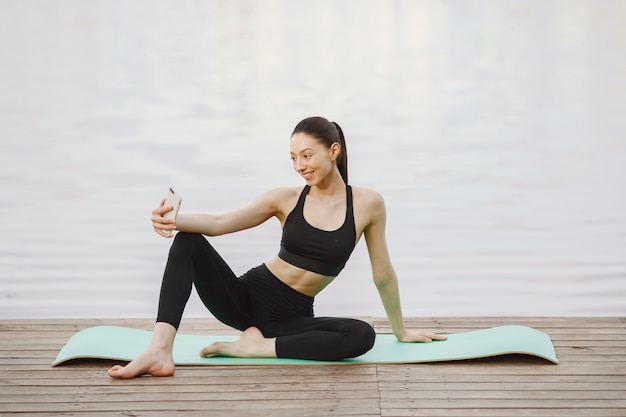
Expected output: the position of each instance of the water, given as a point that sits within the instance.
(493, 129)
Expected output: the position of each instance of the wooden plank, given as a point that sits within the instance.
(174, 406)
(503, 378)
(253, 377)
(287, 412)
(64, 325)
(531, 385)
(506, 403)
(540, 392)
(489, 369)
(287, 393)
(510, 412)
(242, 387)
(554, 333)
(560, 322)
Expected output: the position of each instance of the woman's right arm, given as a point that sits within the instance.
(258, 211)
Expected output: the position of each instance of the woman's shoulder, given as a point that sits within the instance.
(369, 207)
(283, 197)
(368, 198)
(367, 195)
(284, 192)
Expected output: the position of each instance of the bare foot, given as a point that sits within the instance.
(251, 344)
(150, 362)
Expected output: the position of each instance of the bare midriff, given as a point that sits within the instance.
(301, 280)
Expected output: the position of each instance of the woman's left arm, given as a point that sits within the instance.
(385, 276)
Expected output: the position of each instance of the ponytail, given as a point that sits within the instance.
(327, 133)
(342, 161)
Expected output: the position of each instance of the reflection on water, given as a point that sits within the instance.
(493, 129)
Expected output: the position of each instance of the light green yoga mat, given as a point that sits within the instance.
(123, 343)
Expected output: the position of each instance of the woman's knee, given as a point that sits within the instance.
(362, 336)
(187, 242)
(185, 238)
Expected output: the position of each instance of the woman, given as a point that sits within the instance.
(272, 304)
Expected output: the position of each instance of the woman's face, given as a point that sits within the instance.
(311, 159)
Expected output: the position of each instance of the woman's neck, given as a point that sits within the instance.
(331, 185)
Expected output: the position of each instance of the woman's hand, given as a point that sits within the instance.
(163, 225)
(411, 336)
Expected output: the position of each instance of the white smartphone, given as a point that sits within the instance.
(172, 199)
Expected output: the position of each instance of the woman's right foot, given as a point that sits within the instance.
(155, 363)
(251, 344)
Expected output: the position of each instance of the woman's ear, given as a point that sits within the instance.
(335, 150)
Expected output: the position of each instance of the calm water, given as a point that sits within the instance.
(494, 129)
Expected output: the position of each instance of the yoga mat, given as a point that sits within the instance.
(123, 343)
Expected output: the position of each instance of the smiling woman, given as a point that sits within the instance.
(273, 303)
(328, 134)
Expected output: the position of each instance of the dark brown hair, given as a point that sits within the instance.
(326, 133)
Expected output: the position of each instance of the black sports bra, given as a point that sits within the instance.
(313, 249)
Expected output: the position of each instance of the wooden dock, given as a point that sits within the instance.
(589, 381)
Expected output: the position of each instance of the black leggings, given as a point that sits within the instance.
(259, 299)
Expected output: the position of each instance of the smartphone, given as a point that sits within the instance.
(172, 199)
